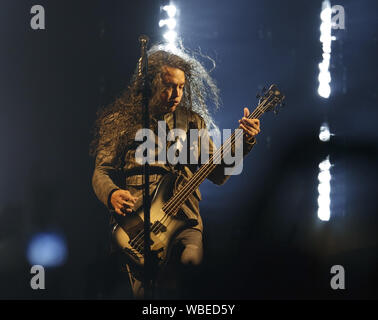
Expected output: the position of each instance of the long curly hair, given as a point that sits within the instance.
(116, 124)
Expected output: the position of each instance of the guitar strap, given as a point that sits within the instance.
(184, 120)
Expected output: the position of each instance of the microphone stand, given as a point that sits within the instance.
(145, 89)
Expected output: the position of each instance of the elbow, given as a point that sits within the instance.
(219, 181)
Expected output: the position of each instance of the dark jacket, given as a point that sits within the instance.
(106, 178)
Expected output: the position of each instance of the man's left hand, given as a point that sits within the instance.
(251, 127)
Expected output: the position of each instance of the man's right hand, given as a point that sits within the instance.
(122, 201)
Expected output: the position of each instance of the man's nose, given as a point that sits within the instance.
(175, 92)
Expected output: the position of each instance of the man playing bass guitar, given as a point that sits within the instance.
(181, 90)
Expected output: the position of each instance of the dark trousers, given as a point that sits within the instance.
(178, 278)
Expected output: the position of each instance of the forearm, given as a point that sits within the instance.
(106, 177)
(103, 185)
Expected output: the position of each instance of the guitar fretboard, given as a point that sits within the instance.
(171, 207)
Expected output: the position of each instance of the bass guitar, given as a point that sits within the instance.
(165, 205)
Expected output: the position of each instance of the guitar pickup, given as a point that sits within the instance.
(139, 244)
(158, 227)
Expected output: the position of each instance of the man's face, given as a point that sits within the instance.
(173, 81)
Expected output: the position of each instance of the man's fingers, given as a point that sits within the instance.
(128, 197)
(127, 204)
(254, 122)
(251, 123)
(249, 131)
(246, 112)
(123, 211)
(123, 207)
(119, 211)
(245, 128)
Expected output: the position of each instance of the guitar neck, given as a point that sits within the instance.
(205, 170)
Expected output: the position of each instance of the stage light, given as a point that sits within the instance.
(324, 190)
(324, 89)
(170, 36)
(324, 213)
(324, 176)
(324, 134)
(47, 249)
(171, 10)
(324, 200)
(325, 165)
(170, 23)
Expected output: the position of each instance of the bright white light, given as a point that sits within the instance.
(324, 189)
(170, 36)
(324, 89)
(324, 75)
(170, 23)
(324, 134)
(47, 249)
(326, 12)
(170, 47)
(324, 200)
(324, 176)
(324, 213)
(325, 165)
(171, 10)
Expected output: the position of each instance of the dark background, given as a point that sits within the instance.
(263, 238)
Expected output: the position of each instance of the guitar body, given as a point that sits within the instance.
(129, 233)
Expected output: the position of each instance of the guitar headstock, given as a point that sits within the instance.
(271, 99)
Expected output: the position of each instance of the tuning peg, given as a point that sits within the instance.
(264, 89)
(283, 104)
(258, 96)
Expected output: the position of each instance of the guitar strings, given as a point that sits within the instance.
(209, 167)
(175, 202)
